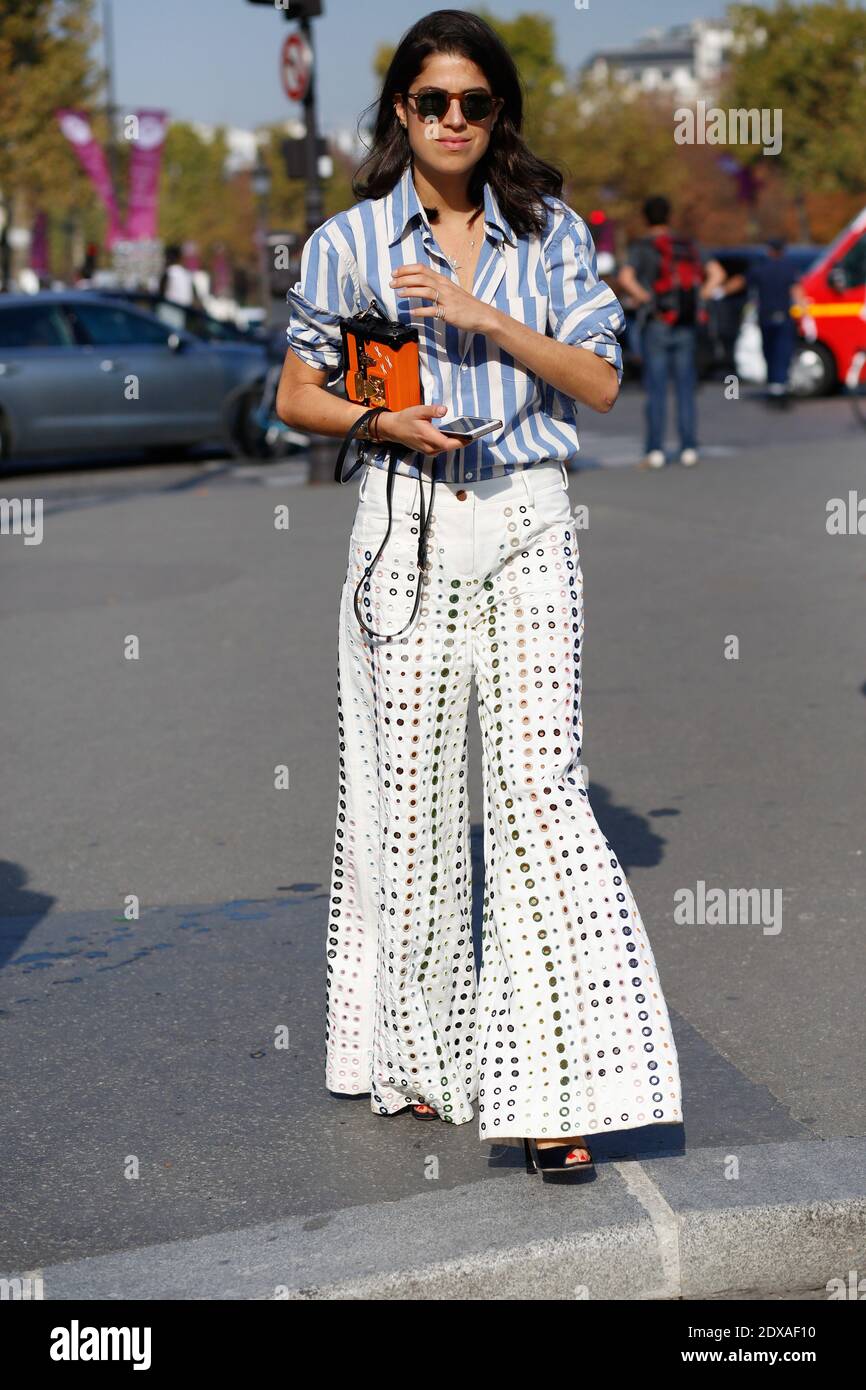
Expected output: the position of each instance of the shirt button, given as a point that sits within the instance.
(461, 495)
(465, 367)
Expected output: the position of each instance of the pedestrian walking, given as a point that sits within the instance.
(176, 282)
(664, 274)
(461, 230)
(771, 280)
(84, 277)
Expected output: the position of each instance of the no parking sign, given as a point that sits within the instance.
(295, 65)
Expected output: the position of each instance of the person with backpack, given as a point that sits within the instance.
(665, 276)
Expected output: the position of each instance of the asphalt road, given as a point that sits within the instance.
(148, 1046)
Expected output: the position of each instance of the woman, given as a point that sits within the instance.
(566, 1032)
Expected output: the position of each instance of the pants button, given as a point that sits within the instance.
(461, 495)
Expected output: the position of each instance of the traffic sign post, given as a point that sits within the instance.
(315, 205)
(298, 77)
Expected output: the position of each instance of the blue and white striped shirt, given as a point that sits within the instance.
(549, 282)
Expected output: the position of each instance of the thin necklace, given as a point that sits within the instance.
(452, 260)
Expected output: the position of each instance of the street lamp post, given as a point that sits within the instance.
(304, 12)
(261, 181)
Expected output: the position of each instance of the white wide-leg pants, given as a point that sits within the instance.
(567, 1031)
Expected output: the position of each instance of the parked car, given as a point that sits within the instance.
(83, 373)
(180, 316)
(831, 316)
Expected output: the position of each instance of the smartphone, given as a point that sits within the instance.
(467, 427)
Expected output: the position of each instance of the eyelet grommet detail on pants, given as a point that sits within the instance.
(567, 1030)
(551, 505)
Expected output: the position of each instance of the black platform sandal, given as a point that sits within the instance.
(554, 1161)
(424, 1112)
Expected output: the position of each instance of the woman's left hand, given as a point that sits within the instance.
(460, 308)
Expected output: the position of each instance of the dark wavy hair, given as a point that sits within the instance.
(519, 179)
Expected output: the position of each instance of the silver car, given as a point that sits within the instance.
(85, 374)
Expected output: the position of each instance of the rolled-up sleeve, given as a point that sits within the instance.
(325, 293)
(583, 309)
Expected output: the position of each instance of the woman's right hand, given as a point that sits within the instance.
(414, 428)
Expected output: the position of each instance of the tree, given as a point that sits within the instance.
(809, 63)
(615, 148)
(531, 41)
(195, 200)
(45, 62)
(200, 202)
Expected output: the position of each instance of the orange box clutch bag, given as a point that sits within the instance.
(380, 360)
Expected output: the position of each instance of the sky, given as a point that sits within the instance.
(218, 60)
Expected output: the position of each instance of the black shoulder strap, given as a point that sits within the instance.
(344, 447)
(425, 515)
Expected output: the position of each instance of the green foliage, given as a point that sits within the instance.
(531, 41)
(614, 148)
(382, 60)
(809, 62)
(195, 201)
(45, 62)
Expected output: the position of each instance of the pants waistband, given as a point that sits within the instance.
(525, 482)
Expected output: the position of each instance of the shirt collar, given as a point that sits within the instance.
(402, 205)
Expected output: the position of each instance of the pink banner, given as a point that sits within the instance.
(144, 164)
(76, 127)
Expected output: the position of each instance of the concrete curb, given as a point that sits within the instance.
(793, 1217)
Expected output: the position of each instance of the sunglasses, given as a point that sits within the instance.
(435, 102)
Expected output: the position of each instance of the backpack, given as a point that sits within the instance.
(678, 278)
